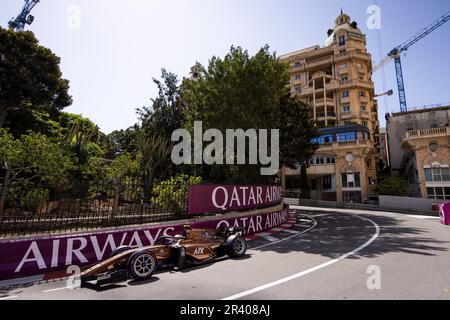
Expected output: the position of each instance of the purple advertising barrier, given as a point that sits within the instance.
(225, 198)
(444, 213)
(44, 255)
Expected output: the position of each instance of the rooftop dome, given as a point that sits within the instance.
(343, 21)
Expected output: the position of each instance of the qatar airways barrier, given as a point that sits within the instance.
(225, 198)
(37, 256)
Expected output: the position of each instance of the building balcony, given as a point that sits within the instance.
(347, 145)
(352, 54)
(346, 115)
(365, 114)
(364, 99)
(307, 91)
(321, 170)
(319, 62)
(323, 102)
(320, 75)
(295, 82)
(328, 116)
(343, 71)
(356, 84)
(426, 133)
(345, 100)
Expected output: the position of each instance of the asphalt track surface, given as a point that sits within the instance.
(328, 254)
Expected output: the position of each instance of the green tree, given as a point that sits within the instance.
(243, 92)
(166, 113)
(30, 76)
(172, 194)
(392, 186)
(32, 158)
(122, 141)
(154, 152)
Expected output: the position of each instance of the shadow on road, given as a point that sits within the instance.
(339, 233)
(13, 290)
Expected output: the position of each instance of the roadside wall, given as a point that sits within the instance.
(405, 203)
(44, 255)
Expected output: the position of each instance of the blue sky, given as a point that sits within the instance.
(120, 45)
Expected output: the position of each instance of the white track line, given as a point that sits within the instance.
(285, 239)
(305, 272)
(421, 217)
(10, 297)
(57, 289)
(291, 231)
(270, 238)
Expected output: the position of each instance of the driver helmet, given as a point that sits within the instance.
(187, 230)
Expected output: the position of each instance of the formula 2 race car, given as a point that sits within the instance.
(194, 247)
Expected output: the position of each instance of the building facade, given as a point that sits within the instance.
(419, 143)
(335, 80)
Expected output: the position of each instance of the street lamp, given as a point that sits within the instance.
(387, 93)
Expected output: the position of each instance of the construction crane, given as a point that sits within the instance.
(24, 17)
(396, 52)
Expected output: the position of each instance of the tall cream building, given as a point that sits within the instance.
(335, 80)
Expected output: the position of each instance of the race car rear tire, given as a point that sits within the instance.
(142, 265)
(119, 250)
(236, 246)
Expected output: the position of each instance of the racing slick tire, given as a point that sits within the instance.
(236, 246)
(119, 250)
(141, 265)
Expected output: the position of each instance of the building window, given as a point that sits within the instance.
(298, 89)
(296, 65)
(348, 136)
(341, 40)
(363, 108)
(324, 139)
(364, 123)
(346, 109)
(437, 174)
(345, 94)
(362, 93)
(297, 77)
(343, 66)
(326, 183)
(351, 180)
(438, 193)
(344, 79)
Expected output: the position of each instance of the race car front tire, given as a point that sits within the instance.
(236, 246)
(142, 265)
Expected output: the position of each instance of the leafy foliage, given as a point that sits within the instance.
(165, 114)
(392, 186)
(172, 194)
(242, 92)
(30, 76)
(34, 156)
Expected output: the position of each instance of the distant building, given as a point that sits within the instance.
(384, 148)
(335, 80)
(419, 150)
